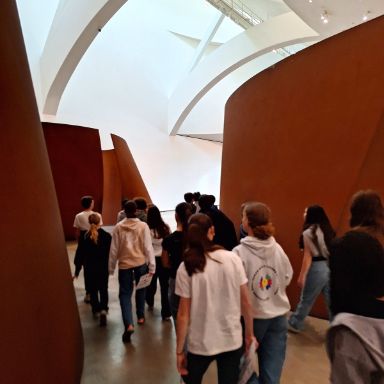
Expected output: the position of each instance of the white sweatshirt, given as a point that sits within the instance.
(131, 246)
(269, 272)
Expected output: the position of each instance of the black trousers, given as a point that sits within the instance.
(98, 289)
(227, 367)
(99, 303)
(163, 275)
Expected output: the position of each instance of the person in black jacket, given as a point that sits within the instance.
(357, 260)
(225, 233)
(93, 254)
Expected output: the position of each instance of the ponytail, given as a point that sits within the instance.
(183, 213)
(263, 232)
(94, 221)
(93, 233)
(198, 244)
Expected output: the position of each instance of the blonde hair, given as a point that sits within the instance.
(94, 221)
(258, 215)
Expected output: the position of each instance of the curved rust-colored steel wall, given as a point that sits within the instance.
(41, 339)
(77, 168)
(112, 188)
(371, 174)
(132, 182)
(308, 130)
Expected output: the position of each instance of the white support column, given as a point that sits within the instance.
(210, 33)
(278, 32)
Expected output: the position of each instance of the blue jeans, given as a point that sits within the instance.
(272, 337)
(126, 278)
(317, 282)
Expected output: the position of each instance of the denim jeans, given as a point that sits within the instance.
(126, 278)
(317, 282)
(227, 367)
(272, 337)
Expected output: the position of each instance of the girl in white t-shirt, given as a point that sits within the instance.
(212, 286)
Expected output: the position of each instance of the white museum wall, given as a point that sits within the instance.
(121, 86)
(36, 18)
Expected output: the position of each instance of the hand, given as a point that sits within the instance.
(181, 361)
(248, 342)
(301, 282)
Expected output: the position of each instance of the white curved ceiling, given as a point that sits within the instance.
(64, 48)
(276, 32)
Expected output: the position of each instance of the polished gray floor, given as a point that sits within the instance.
(150, 357)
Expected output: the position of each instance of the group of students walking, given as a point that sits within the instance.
(207, 289)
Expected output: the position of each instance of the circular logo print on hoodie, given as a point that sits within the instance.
(265, 283)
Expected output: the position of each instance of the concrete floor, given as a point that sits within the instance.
(150, 357)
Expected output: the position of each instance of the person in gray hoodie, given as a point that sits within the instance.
(355, 346)
(269, 272)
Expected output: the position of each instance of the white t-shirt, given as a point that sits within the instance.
(81, 220)
(322, 249)
(215, 303)
(156, 244)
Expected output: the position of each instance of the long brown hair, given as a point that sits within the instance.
(314, 218)
(156, 223)
(198, 244)
(94, 221)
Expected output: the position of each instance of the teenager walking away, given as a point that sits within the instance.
(314, 274)
(269, 272)
(81, 225)
(132, 248)
(357, 260)
(355, 339)
(212, 286)
(159, 230)
(93, 254)
(172, 255)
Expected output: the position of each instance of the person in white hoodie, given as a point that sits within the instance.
(269, 272)
(132, 247)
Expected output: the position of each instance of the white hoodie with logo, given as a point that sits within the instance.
(269, 272)
(131, 246)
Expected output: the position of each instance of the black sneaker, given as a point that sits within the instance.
(103, 318)
(96, 314)
(127, 335)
